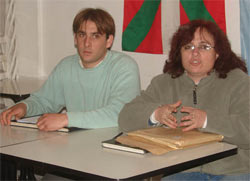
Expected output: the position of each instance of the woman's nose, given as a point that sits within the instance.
(195, 51)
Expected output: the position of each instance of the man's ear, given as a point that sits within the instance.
(75, 41)
(109, 41)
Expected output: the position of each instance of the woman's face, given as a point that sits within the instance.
(198, 56)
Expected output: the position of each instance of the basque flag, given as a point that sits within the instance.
(148, 25)
(142, 26)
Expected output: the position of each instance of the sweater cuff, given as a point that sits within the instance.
(205, 123)
(70, 117)
(27, 107)
(152, 121)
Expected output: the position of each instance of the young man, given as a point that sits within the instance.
(92, 85)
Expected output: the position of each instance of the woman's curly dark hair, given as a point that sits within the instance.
(226, 61)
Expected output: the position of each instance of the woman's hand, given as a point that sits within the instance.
(194, 119)
(163, 114)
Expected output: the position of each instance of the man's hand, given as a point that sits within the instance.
(52, 122)
(17, 111)
(163, 114)
(195, 118)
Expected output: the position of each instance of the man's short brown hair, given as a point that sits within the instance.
(103, 20)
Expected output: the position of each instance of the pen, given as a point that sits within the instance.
(118, 135)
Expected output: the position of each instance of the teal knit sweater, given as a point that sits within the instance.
(92, 97)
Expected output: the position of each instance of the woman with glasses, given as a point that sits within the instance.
(204, 86)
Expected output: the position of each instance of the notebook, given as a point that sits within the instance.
(30, 122)
(113, 144)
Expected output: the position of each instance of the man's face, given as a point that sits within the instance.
(91, 45)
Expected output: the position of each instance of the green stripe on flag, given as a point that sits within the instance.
(140, 25)
(196, 9)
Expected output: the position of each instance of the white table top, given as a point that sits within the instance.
(82, 151)
(10, 135)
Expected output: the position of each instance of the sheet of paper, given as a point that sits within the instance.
(31, 120)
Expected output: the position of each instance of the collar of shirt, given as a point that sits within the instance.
(80, 62)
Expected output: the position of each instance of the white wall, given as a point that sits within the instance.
(44, 35)
(2, 17)
(27, 37)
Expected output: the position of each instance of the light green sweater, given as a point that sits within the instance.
(93, 97)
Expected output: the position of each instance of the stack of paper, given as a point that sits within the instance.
(160, 140)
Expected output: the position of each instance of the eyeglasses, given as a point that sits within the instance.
(201, 47)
